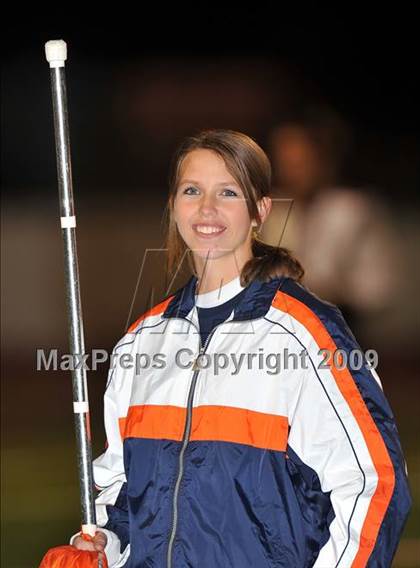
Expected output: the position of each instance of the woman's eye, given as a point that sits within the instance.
(230, 192)
(190, 190)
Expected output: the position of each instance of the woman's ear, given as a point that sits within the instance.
(264, 208)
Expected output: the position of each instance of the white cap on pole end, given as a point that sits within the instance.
(56, 52)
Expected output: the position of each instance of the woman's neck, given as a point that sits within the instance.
(208, 283)
(214, 273)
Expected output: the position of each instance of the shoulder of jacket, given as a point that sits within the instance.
(293, 297)
(156, 310)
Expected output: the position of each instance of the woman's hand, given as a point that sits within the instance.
(98, 542)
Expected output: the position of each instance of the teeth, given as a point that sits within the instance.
(208, 230)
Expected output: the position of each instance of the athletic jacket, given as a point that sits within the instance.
(291, 466)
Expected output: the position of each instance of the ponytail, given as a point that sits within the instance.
(270, 262)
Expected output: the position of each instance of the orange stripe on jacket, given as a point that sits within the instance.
(376, 446)
(214, 423)
(153, 421)
(239, 425)
(155, 311)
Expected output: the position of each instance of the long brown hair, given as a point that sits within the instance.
(251, 168)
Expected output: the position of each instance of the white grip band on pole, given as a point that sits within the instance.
(89, 529)
(80, 407)
(68, 222)
(56, 52)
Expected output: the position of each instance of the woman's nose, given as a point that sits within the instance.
(207, 204)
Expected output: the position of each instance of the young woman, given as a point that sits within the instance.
(245, 436)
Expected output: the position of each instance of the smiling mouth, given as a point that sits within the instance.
(204, 230)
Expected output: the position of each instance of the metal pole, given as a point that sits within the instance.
(56, 54)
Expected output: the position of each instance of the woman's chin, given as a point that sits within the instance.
(208, 252)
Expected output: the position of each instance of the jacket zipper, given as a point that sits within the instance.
(185, 440)
(187, 432)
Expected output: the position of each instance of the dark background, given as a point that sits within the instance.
(133, 93)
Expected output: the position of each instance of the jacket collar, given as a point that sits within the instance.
(255, 302)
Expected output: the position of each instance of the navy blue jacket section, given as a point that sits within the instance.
(381, 412)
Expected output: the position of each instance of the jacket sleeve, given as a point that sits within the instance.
(108, 469)
(342, 427)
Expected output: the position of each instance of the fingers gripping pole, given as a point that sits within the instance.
(56, 54)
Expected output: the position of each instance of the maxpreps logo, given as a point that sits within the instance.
(52, 360)
(225, 363)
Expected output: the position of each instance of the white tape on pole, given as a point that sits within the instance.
(89, 529)
(80, 407)
(68, 222)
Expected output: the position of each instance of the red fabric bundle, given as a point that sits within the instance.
(70, 557)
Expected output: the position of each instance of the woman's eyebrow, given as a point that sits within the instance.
(189, 181)
(220, 184)
(233, 182)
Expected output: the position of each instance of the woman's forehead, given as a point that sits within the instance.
(201, 164)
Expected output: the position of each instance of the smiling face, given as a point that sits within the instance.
(211, 213)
